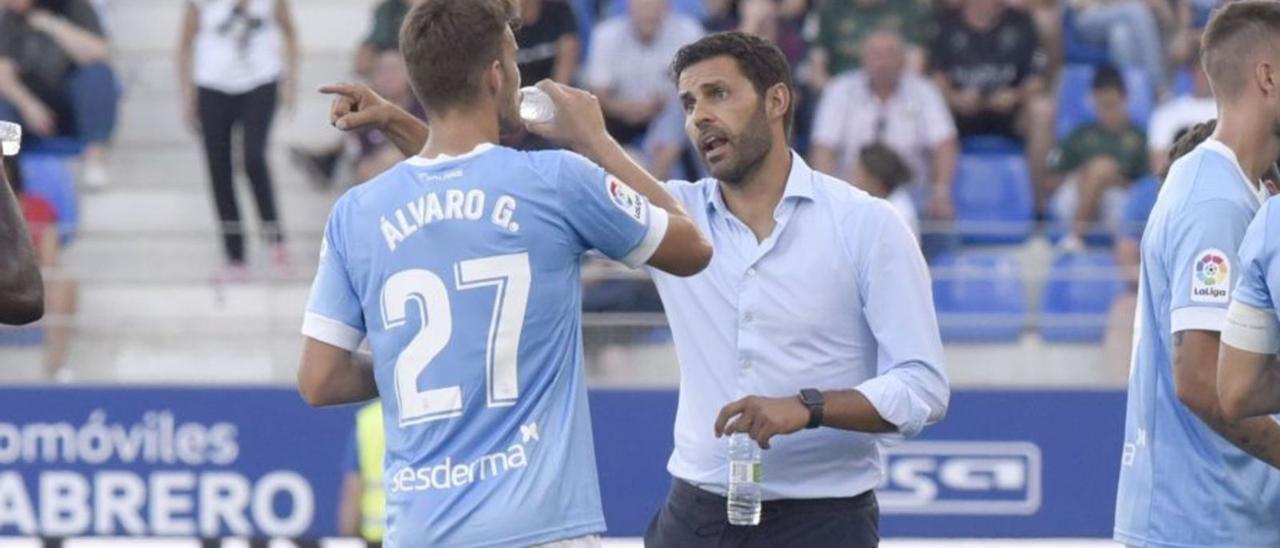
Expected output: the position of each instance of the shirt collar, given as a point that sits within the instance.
(421, 161)
(1260, 190)
(799, 185)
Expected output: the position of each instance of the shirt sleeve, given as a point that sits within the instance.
(334, 313)
(1160, 130)
(1203, 263)
(940, 126)
(607, 214)
(1256, 260)
(1066, 157)
(831, 115)
(910, 389)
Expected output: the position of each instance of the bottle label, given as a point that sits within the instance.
(740, 472)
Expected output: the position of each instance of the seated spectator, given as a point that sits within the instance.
(987, 61)
(1177, 115)
(884, 103)
(384, 34)
(54, 76)
(843, 27)
(777, 22)
(1099, 159)
(883, 174)
(628, 65)
(59, 290)
(1129, 30)
(374, 152)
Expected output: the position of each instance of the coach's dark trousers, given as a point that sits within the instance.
(693, 517)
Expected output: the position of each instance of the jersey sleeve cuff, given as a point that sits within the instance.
(330, 331)
(1199, 318)
(659, 219)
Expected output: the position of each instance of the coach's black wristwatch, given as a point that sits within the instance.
(812, 398)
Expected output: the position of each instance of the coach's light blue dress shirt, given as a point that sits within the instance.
(838, 297)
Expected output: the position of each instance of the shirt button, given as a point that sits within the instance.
(746, 364)
(748, 317)
(751, 272)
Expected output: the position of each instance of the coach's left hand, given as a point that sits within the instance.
(763, 418)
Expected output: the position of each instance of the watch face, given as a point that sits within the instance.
(811, 396)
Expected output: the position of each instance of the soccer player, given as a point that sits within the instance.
(21, 287)
(461, 268)
(1248, 375)
(1188, 474)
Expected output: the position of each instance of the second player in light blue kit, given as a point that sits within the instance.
(1189, 476)
(1248, 373)
(461, 268)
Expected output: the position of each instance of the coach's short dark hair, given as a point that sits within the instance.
(1233, 35)
(447, 46)
(757, 58)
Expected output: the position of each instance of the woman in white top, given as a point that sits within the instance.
(236, 59)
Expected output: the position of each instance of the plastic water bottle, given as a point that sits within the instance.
(10, 138)
(536, 106)
(744, 480)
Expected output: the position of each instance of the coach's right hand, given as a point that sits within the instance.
(579, 121)
(357, 107)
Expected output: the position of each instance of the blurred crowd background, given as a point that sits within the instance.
(1022, 139)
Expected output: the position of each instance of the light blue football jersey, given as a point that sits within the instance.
(463, 273)
(1182, 485)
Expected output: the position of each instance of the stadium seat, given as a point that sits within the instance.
(980, 297)
(1077, 296)
(692, 8)
(990, 144)
(993, 199)
(585, 12)
(1074, 49)
(54, 146)
(25, 336)
(49, 176)
(1075, 103)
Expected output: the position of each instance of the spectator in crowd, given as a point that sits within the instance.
(1130, 31)
(1099, 159)
(362, 504)
(21, 287)
(60, 291)
(884, 174)
(843, 26)
(1177, 115)
(237, 59)
(390, 79)
(54, 76)
(987, 60)
(384, 34)
(885, 103)
(627, 65)
(549, 44)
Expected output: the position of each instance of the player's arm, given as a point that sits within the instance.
(356, 107)
(1248, 382)
(330, 375)
(579, 123)
(1195, 360)
(21, 287)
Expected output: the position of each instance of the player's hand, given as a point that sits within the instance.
(763, 418)
(356, 107)
(578, 123)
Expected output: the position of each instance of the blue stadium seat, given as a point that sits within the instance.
(990, 144)
(980, 297)
(53, 146)
(693, 8)
(1077, 296)
(585, 12)
(1075, 104)
(24, 336)
(1074, 48)
(993, 199)
(49, 176)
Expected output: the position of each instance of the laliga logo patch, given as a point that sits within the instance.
(1212, 280)
(627, 199)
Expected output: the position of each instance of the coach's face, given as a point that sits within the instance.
(727, 121)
